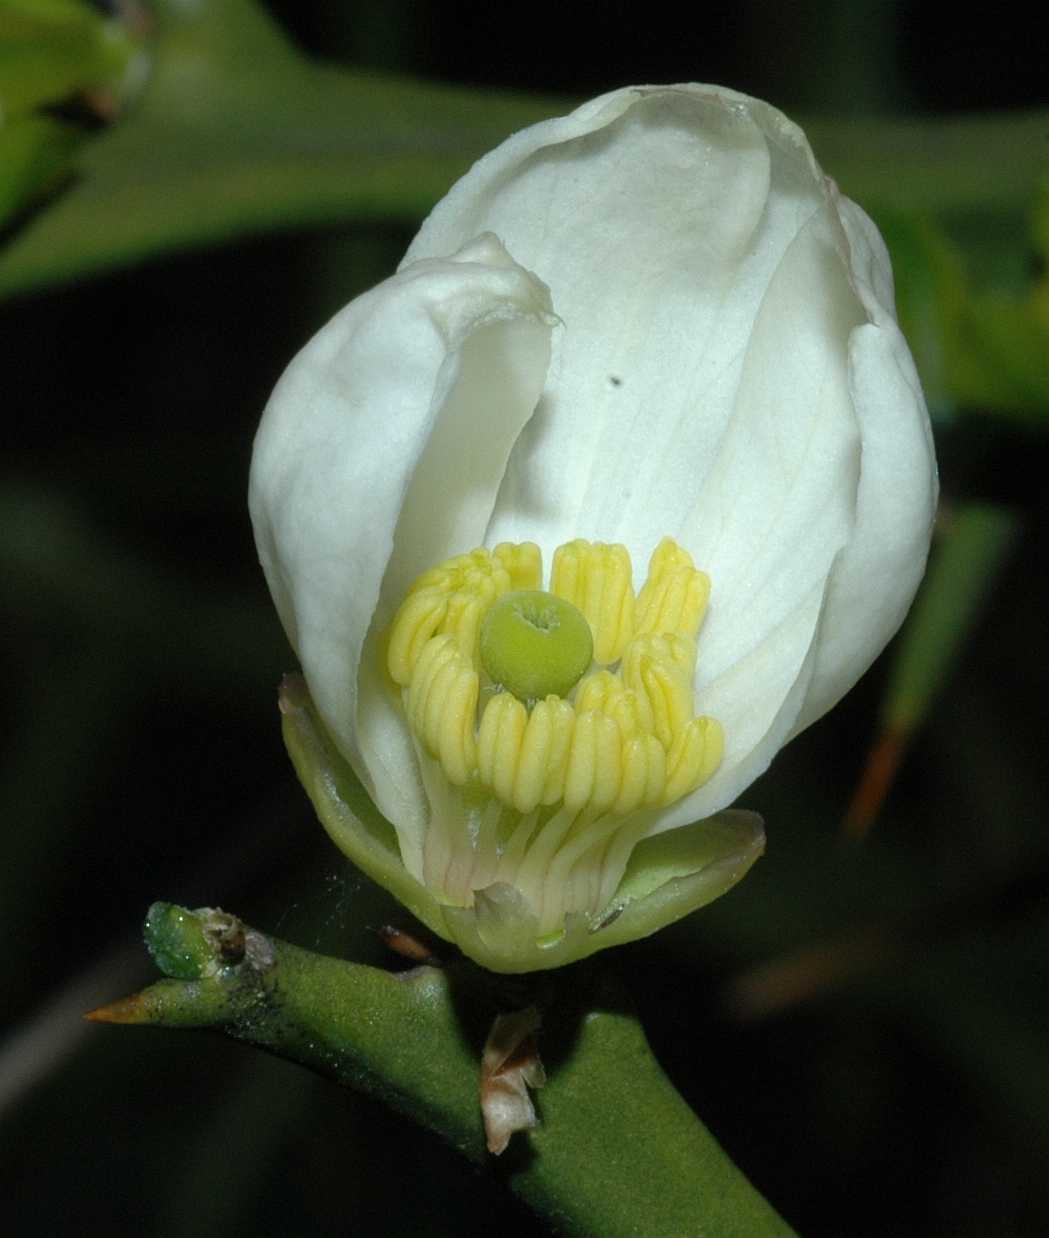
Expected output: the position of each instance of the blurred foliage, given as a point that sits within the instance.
(863, 1027)
(978, 347)
(52, 52)
(961, 577)
(974, 544)
(236, 132)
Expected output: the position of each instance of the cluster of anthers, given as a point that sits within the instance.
(551, 726)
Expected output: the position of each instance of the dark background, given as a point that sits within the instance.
(902, 1089)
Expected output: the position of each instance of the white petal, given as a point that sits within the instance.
(383, 444)
(877, 574)
(623, 206)
(730, 373)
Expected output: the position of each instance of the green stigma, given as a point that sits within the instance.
(535, 644)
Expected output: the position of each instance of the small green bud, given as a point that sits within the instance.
(176, 939)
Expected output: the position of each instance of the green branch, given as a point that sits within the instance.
(617, 1151)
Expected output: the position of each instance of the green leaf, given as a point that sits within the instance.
(1040, 225)
(981, 348)
(617, 1153)
(1001, 357)
(237, 133)
(975, 541)
(973, 166)
(931, 291)
(964, 568)
(52, 49)
(35, 151)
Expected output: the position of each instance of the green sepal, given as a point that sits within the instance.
(669, 875)
(352, 821)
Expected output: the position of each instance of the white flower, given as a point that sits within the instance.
(654, 317)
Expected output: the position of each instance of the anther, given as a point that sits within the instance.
(674, 598)
(596, 578)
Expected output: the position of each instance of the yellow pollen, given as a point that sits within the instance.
(625, 739)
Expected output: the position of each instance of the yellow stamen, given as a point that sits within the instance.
(441, 704)
(596, 579)
(540, 774)
(592, 780)
(503, 726)
(694, 755)
(418, 619)
(557, 784)
(659, 670)
(674, 597)
(523, 562)
(601, 690)
(453, 598)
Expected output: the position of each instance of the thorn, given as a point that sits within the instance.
(125, 1010)
(879, 773)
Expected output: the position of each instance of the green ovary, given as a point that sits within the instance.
(534, 644)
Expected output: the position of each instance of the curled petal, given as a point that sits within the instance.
(385, 442)
(879, 570)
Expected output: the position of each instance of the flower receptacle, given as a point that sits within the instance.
(668, 876)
